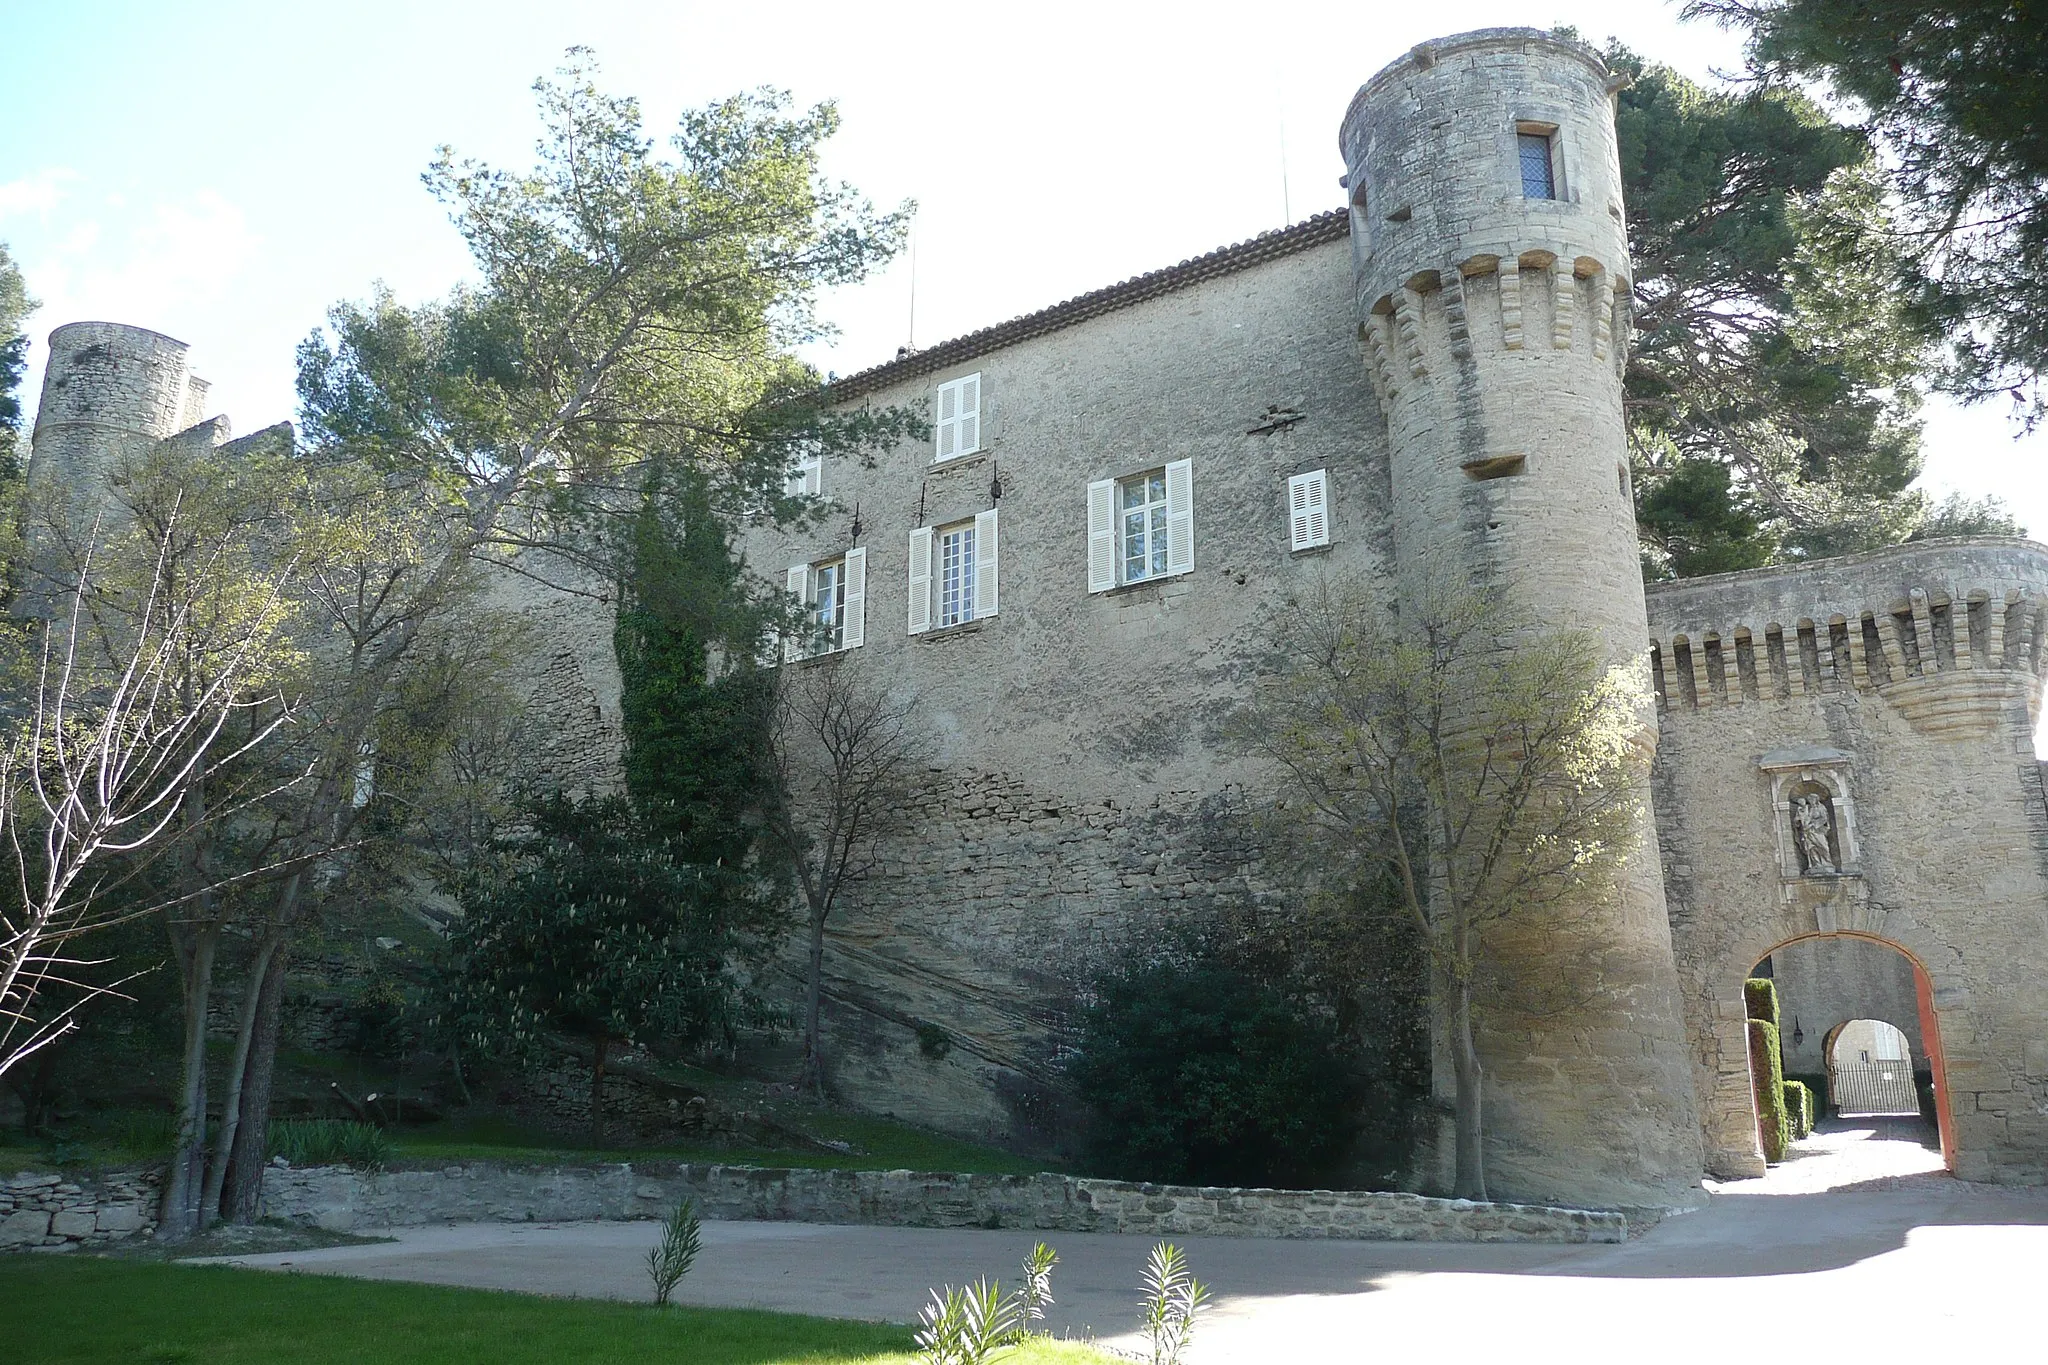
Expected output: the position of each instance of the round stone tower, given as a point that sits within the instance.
(1492, 266)
(109, 390)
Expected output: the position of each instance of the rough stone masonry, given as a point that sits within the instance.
(1071, 569)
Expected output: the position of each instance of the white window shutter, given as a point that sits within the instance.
(948, 434)
(985, 563)
(853, 616)
(1102, 535)
(970, 415)
(814, 474)
(1180, 516)
(1308, 510)
(798, 586)
(920, 580)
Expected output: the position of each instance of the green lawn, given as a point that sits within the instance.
(78, 1309)
(141, 1138)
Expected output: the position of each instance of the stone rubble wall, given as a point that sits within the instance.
(40, 1211)
(344, 1200)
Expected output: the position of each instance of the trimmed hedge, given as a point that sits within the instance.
(1767, 1076)
(1760, 999)
(1817, 1086)
(1798, 1108)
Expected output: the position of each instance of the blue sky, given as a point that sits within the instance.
(223, 172)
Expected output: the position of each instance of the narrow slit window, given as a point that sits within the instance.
(1539, 169)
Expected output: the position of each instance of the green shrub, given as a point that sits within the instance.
(1767, 1075)
(1817, 1090)
(330, 1142)
(1760, 999)
(1798, 1108)
(1201, 1073)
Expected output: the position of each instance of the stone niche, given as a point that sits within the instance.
(1813, 807)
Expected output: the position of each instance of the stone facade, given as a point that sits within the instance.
(1079, 799)
(344, 1200)
(1902, 686)
(1447, 352)
(41, 1211)
(1841, 748)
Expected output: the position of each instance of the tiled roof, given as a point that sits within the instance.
(1228, 260)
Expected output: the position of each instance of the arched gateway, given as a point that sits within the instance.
(1849, 757)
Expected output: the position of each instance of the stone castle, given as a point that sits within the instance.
(1115, 491)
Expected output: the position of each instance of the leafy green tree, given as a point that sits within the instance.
(15, 306)
(1957, 93)
(1201, 1073)
(698, 763)
(591, 926)
(631, 303)
(1773, 388)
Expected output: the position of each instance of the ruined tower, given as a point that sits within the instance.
(1491, 269)
(110, 391)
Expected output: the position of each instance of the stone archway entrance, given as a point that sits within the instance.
(1845, 987)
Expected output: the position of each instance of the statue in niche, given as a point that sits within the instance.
(1814, 824)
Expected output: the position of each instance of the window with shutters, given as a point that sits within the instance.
(833, 593)
(953, 573)
(1536, 153)
(806, 476)
(1141, 527)
(958, 429)
(1308, 510)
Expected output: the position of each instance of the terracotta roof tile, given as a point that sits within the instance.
(1228, 260)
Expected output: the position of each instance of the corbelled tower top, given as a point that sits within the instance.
(1486, 146)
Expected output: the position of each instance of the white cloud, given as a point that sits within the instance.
(38, 194)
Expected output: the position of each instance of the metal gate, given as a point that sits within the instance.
(1873, 1090)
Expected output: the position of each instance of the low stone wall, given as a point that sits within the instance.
(52, 1212)
(346, 1200)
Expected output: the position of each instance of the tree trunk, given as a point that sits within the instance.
(35, 1084)
(250, 1153)
(231, 1099)
(1470, 1181)
(185, 1180)
(813, 1077)
(597, 1091)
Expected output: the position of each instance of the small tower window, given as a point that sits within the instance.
(1538, 155)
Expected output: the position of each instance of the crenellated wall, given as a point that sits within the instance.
(1899, 691)
(1942, 632)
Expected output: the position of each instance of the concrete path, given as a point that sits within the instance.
(1924, 1264)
